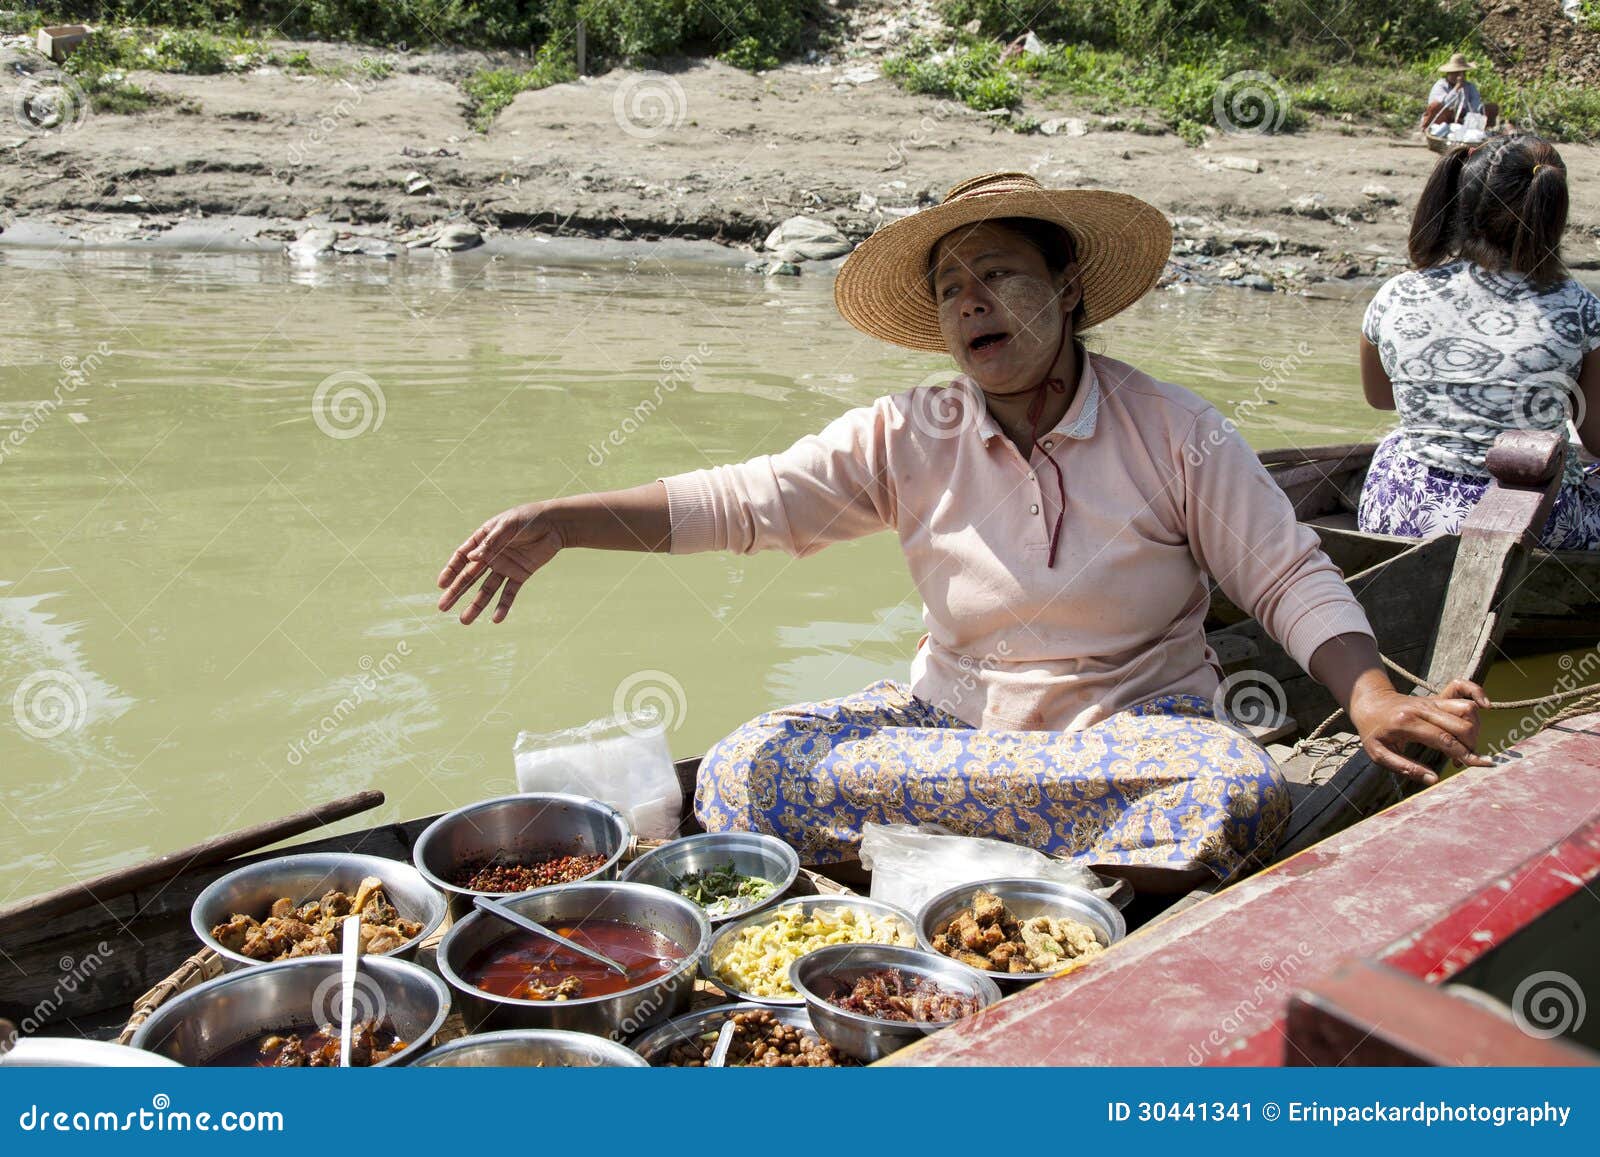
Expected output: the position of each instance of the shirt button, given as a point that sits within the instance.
(1030, 476)
(1034, 509)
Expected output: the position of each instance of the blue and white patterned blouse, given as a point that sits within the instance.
(1472, 353)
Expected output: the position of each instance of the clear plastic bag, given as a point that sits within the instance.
(622, 761)
(910, 864)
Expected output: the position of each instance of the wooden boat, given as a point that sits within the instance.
(1442, 607)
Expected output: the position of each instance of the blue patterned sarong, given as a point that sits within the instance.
(1163, 784)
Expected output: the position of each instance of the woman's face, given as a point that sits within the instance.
(1000, 310)
(1454, 79)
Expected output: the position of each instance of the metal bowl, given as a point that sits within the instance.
(833, 971)
(57, 1052)
(653, 1045)
(724, 939)
(196, 1026)
(1025, 899)
(533, 826)
(253, 888)
(531, 1048)
(750, 853)
(617, 1015)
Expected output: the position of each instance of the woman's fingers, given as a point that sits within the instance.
(458, 557)
(460, 583)
(1447, 733)
(1465, 689)
(1385, 756)
(482, 598)
(507, 596)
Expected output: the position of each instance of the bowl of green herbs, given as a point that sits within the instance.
(728, 874)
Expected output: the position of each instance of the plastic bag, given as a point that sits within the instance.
(622, 761)
(910, 864)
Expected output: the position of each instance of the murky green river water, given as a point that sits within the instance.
(199, 567)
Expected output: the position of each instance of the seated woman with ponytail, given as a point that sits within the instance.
(1487, 334)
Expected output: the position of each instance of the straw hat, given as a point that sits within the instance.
(1121, 242)
(1457, 63)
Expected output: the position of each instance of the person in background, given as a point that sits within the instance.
(1454, 97)
(1487, 334)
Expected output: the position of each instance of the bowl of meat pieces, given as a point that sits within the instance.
(293, 906)
(1017, 931)
(869, 1000)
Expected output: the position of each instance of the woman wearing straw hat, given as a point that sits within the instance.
(1454, 97)
(1059, 512)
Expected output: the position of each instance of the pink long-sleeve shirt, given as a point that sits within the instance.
(1160, 493)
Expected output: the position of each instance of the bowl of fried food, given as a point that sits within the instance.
(1017, 931)
(293, 906)
(759, 1038)
(285, 1015)
(869, 1000)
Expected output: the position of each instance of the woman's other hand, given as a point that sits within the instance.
(1448, 722)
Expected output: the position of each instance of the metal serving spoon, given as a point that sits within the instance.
(497, 908)
(349, 963)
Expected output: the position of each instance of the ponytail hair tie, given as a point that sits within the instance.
(1540, 165)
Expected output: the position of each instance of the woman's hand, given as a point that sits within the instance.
(509, 547)
(1447, 722)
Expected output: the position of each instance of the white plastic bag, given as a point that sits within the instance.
(622, 761)
(910, 864)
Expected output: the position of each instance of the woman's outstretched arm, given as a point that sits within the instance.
(1375, 383)
(506, 550)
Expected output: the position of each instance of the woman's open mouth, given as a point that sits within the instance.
(987, 343)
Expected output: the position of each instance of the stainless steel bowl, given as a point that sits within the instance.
(197, 1026)
(833, 971)
(54, 1052)
(528, 827)
(252, 889)
(723, 941)
(618, 1015)
(1025, 899)
(750, 853)
(531, 1048)
(653, 1045)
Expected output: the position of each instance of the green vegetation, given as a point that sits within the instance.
(490, 90)
(1259, 65)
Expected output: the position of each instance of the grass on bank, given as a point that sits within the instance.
(1181, 92)
(489, 90)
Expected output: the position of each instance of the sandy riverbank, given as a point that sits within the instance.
(701, 152)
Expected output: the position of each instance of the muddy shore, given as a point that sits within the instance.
(698, 152)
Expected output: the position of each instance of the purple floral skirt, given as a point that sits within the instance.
(1407, 498)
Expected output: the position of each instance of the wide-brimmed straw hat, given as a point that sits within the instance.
(1457, 63)
(1121, 244)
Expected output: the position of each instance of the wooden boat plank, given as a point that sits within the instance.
(1211, 984)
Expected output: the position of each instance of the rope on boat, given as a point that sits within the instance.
(1583, 700)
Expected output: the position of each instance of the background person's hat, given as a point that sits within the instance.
(1121, 243)
(1457, 63)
